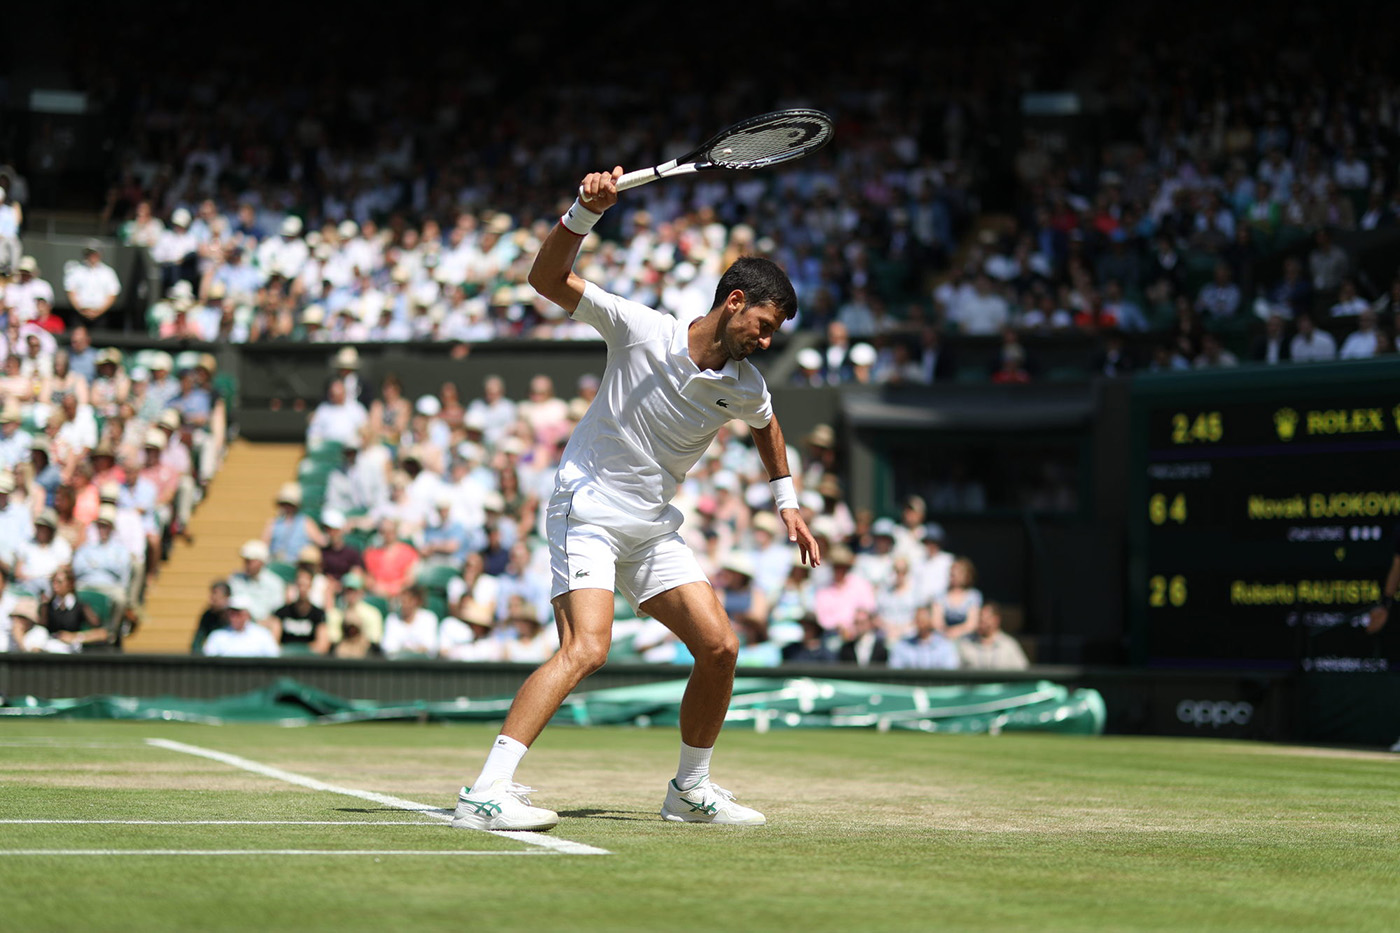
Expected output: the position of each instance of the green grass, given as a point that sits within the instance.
(867, 831)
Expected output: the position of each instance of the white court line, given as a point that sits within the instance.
(562, 846)
(223, 823)
(375, 852)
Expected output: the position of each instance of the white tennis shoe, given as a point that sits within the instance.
(707, 802)
(503, 805)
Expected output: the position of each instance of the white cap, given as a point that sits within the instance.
(254, 550)
(809, 358)
(333, 518)
(291, 225)
(863, 354)
(428, 405)
(181, 217)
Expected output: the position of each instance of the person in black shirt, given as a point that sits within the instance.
(215, 616)
(68, 618)
(300, 624)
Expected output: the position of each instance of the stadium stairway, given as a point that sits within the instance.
(236, 507)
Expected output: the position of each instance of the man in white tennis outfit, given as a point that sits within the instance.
(668, 387)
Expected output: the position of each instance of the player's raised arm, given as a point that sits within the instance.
(553, 275)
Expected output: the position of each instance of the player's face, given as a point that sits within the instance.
(752, 329)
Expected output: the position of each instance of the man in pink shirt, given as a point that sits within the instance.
(836, 603)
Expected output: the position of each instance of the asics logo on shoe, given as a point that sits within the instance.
(581, 573)
(722, 402)
(702, 807)
(484, 807)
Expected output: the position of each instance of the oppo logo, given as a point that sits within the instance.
(1214, 713)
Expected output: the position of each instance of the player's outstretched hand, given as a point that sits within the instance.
(1379, 615)
(799, 534)
(599, 189)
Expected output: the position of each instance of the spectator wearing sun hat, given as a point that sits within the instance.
(338, 556)
(809, 368)
(287, 532)
(104, 562)
(261, 590)
(164, 387)
(837, 602)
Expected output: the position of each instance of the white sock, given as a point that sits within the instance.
(502, 761)
(694, 766)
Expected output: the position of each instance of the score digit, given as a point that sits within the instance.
(1162, 592)
(1208, 427)
(1160, 512)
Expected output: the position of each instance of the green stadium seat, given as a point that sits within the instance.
(437, 605)
(378, 602)
(287, 572)
(102, 606)
(436, 579)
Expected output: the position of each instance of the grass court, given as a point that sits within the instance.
(342, 828)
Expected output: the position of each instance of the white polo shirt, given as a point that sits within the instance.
(253, 642)
(90, 286)
(656, 412)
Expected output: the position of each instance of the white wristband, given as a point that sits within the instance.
(784, 493)
(579, 219)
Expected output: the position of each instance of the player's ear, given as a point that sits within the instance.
(736, 301)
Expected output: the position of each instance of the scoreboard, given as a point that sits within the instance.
(1265, 503)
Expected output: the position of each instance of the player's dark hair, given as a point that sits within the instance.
(761, 281)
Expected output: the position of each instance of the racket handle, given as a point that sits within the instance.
(647, 175)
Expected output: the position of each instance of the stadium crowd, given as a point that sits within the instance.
(416, 530)
(102, 461)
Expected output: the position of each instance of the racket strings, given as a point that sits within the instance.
(766, 144)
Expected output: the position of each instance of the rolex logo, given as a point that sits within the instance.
(1286, 423)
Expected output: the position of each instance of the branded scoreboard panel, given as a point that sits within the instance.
(1265, 503)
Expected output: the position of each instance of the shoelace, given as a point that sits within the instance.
(714, 789)
(520, 792)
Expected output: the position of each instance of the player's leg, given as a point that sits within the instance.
(584, 618)
(694, 613)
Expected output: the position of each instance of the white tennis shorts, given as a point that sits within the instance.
(595, 545)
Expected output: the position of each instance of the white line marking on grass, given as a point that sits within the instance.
(224, 823)
(375, 852)
(562, 846)
(63, 743)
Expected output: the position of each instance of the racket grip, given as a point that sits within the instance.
(644, 176)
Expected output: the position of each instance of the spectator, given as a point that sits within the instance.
(300, 624)
(866, 646)
(809, 368)
(68, 618)
(467, 635)
(1328, 264)
(357, 483)
(1220, 298)
(1213, 354)
(39, 560)
(1272, 346)
(392, 564)
(837, 603)
(1349, 303)
(532, 643)
(989, 648)
(354, 609)
(338, 419)
(955, 613)
(493, 413)
(736, 589)
(1310, 344)
(338, 557)
(446, 542)
(926, 648)
(214, 617)
(92, 285)
(411, 631)
(933, 565)
(290, 530)
(814, 646)
(11, 219)
(241, 638)
(898, 597)
(22, 297)
(1364, 342)
(256, 587)
(104, 562)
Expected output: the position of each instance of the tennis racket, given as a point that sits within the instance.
(758, 142)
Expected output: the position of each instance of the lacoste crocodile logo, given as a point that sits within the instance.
(722, 402)
(581, 573)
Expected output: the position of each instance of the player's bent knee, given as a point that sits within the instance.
(586, 655)
(723, 652)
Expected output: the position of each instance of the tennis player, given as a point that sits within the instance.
(668, 387)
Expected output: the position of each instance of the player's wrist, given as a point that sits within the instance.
(784, 493)
(578, 219)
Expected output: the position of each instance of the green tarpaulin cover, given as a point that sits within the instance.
(760, 703)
